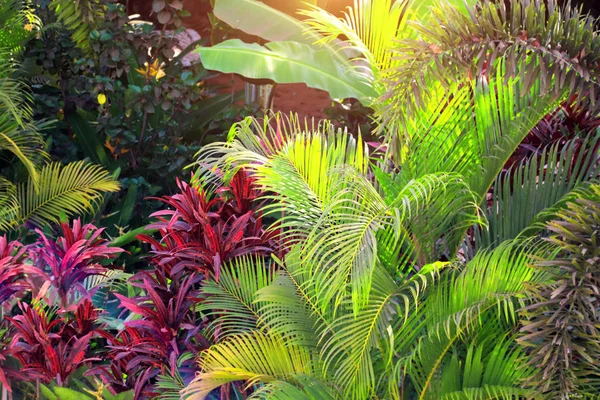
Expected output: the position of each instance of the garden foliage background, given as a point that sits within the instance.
(436, 238)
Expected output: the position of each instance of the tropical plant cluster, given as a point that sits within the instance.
(438, 239)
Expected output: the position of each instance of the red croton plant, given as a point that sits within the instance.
(58, 330)
(198, 233)
(51, 336)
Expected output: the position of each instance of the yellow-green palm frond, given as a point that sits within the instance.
(293, 161)
(9, 205)
(371, 28)
(254, 357)
(24, 142)
(349, 351)
(70, 189)
(80, 17)
(15, 100)
(18, 23)
(343, 248)
(544, 45)
(232, 302)
(307, 388)
(287, 308)
(491, 278)
(471, 129)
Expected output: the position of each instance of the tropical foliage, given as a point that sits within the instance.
(50, 190)
(310, 51)
(449, 253)
(53, 334)
(405, 279)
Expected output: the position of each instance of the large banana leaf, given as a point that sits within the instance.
(289, 62)
(257, 18)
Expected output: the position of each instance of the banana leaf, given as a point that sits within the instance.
(257, 18)
(289, 62)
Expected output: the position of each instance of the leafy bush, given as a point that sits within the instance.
(54, 327)
(560, 326)
(123, 98)
(198, 235)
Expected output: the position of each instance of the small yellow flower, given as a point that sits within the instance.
(165, 147)
(101, 98)
(152, 70)
(28, 27)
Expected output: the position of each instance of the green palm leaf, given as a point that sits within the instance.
(9, 205)
(24, 142)
(525, 195)
(309, 389)
(544, 45)
(490, 287)
(71, 189)
(288, 310)
(255, 357)
(231, 301)
(293, 160)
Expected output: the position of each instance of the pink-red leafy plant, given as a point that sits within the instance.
(51, 337)
(152, 345)
(52, 347)
(66, 262)
(198, 233)
(12, 269)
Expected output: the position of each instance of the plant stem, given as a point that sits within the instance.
(144, 121)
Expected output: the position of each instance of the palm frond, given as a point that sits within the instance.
(287, 308)
(24, 142)
(473, 129)
(9, 205)
(370, 28)
(490, 286)
(254, 357)
(18, 22)
(493, 278)
(490, 370)
(232, 300)
(525, 195)
(293, 161)
(112, 281)
(14, 98)
(487, 366)
(80, 17)
(545, 45)
(343, 247)
(309, 388)
(71, 189)
(348, 351)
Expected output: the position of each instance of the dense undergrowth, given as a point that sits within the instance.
(149, 251)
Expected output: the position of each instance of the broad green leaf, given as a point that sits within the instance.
(422, 8)
(257, 18)
(47, 392)
(68, 394)
(289, 62)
